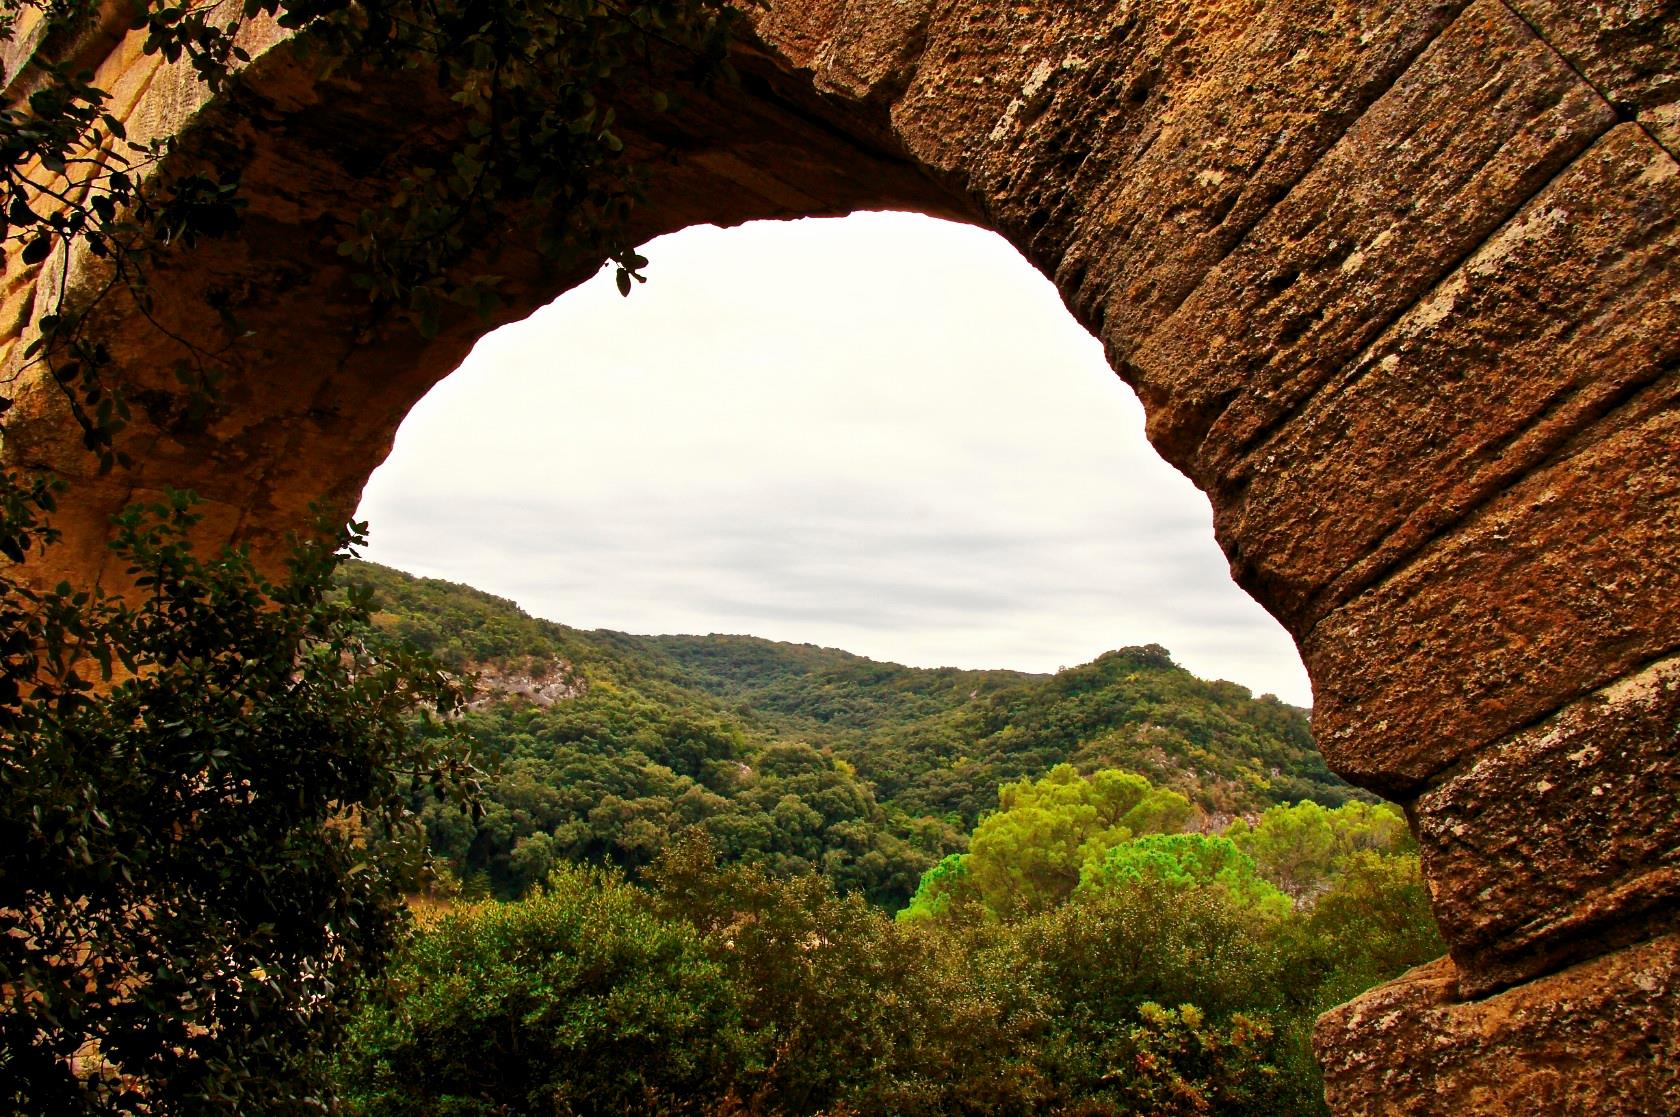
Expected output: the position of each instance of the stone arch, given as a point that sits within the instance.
(1398, 287)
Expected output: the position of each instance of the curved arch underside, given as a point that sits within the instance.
(1398, 286)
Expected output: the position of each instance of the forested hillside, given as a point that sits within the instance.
(750, 879)
(603, 747)
(940, 741)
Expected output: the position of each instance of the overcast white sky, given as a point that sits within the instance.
(882, 433)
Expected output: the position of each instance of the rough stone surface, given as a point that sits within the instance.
(1486, 118)
(1534, 599)
(1397, 283)
(1601, 1039)
(1604, 774)
(1504, 461)
(1628, 49)
(1126, 148)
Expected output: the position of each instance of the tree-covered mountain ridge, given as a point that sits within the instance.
(603, 746)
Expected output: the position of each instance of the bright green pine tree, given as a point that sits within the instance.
(1032, 853)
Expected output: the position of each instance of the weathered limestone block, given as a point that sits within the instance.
(1604, 776)
(1126, 147)
(1233, 144)
(82, 45)
(1601, 1039)
(1565, 322)
(1540, 603)
(1471, 389)
(1479, 123)
(1628, 49)
(872, 61)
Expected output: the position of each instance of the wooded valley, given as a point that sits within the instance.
(722, 875)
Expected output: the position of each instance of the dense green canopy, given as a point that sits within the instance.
(805, 759)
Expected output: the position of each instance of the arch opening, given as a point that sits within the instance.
(881, 433)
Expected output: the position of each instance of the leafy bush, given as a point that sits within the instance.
(578, 1000)
(206, 847)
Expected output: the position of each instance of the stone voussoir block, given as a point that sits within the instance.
(1559, 834)
(1232, 142)
(1600, 1039)
(1474, 128)
(1628, 49)
(1525, 412)
(1562, 584)
(1571, 307)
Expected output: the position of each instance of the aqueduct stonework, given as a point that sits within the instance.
(1397, 283)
